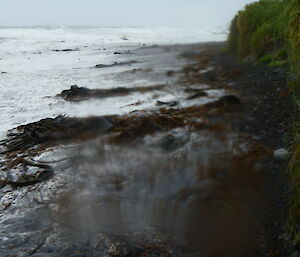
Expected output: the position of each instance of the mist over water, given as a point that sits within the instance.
(196, 195)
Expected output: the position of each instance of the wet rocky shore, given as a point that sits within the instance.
(192, 173)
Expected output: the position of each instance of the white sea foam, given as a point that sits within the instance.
(30, 71)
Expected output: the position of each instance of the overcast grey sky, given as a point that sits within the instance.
(149, 13)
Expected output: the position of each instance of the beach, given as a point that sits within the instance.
(153, 147)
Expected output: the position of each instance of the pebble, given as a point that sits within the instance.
(213, 111)
(232, 84)
(281, 154)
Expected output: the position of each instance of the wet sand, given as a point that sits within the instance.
(187, 171)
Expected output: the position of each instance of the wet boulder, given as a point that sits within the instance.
(231, 99)
(170, 104)
(195, 93)
(281, 154)
(65, 50)
(225, 102)
(74, 92)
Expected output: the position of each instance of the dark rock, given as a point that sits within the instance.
(231, 99)
(224, 102)
(103, 65)
(74, 92)
(171, 142)
(120, 90)
(100, 124)
(65, 50)
(193, 90)
(197, 95)
(170, 73)
(127, 52)
(171, 104)
(99, 66)
(136, 70)
(281, 154)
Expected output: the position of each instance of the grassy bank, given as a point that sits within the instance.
(257, 32)
(268, 32)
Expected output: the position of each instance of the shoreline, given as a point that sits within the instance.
(248, 116)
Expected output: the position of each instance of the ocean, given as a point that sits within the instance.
(33, 69)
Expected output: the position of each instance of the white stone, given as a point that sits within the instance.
(281, 154)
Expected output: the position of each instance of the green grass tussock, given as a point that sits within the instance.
(292, 33)
(268, 32)
(256, 30)
(292, 21)
(294, 212)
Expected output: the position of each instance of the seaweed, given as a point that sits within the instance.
(76, 93)
(54, 131)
